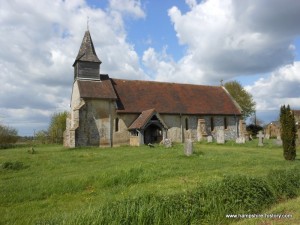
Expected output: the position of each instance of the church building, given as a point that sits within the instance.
(108, 111)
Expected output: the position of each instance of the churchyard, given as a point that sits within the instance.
(142, 185)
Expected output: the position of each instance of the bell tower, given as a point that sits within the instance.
(87, 63)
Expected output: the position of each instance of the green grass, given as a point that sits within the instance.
(291, 207)
(58, 184)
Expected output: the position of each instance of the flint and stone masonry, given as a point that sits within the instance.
(111, 112)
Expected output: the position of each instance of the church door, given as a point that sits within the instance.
(152, 134)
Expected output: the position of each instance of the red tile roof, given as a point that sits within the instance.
(135, 96)
(142, 119)
(96, 89)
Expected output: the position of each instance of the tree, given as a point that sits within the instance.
(41, 136)
(253, 129)
(57, 127)
(8, 135)
(288, 132)
(242, 97)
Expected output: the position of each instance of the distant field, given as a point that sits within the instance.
(57, 182)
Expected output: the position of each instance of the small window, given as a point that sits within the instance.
(186, 124)
(117, 125)
(212, 125)
(225, 123)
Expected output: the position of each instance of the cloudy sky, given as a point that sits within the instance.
(256, 42)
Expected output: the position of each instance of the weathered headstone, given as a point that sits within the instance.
(209, 139)
(240, 140)
(220, 137)
(267, 136)
(278, 141)
(242, 128)
(201, 130)
(167, 143)
(278, 137)
(188, 147)
(260, 138)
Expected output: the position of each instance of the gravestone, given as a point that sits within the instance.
(278, 141)
(278, 137)
(240, 140)
(167, 143)
(209, 139)
(242, 128)
(220, 137)
(188, 147)
(260, 138)
(201, 130)
(267, 136)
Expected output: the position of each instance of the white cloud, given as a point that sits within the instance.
(128, 7)
(38, 48)
(191, 3)
(282, 87)
(162, 67)
(228, 38)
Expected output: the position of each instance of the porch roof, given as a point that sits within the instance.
(144, 118)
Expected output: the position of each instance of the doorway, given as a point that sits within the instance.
(153, 134)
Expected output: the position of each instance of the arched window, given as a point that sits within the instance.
(186, 124)
(117, 125)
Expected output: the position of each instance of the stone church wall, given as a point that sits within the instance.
(178, 130)
(218, 124)
(121, 136)
(174, 124)
(95, 123)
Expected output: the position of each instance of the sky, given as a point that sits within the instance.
(256, 42)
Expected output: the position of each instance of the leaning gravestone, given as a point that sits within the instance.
(240, 140)
(260, 138)
(209, 139)
(220, 137)
(167, 143)
(188, 147)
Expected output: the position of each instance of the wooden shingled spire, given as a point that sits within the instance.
(87, 63)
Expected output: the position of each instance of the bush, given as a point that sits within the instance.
(8, 135)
